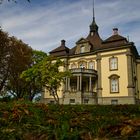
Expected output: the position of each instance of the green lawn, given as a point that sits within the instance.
(20, 120)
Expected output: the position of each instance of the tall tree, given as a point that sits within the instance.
(15, 57)
(20, 60)
(52, 77)
(32, 75)
(4, 58)
(46, 72)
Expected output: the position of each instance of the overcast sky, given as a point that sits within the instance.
(44, 23)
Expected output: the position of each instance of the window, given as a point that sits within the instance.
(114, 83)
(52, 92)
(82, 65)
(113, 63)
(86, 101)
(73, 66)
(82, 49)
(91, 65)
(52, 102)
(72, 101)
(114, 102)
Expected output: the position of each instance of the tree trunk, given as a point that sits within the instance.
(55, 95)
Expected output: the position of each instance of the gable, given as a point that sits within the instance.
(82, 46)
(82, 40)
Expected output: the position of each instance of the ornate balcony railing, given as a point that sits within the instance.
(85, 94)
(83, 70)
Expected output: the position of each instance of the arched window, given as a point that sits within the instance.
(91, 65)
(113, 63)
(82, 64)
(73, 66)
(114, 83)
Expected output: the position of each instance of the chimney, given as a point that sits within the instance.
(115, 31)
(63, 42)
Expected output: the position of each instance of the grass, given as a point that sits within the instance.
(20, 120)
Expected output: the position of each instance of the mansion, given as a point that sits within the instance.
(103, 71)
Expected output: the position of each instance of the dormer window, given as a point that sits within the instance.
(82, 49)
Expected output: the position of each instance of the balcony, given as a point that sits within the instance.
(83, 71)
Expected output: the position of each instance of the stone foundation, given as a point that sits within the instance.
(92, 101)
(118, 100)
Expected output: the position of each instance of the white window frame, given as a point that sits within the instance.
(113, 63)
(91, 65)
(82, 49)
(114, 83)
(82, 66)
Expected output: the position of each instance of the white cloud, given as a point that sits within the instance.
(43, 27)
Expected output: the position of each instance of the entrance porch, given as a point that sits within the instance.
(81, 87)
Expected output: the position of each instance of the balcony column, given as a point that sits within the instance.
(68, 84)
(90, 83)
(78, 83)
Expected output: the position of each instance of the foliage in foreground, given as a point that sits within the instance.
(22, 121)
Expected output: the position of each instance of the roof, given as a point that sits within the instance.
(82, 40)
(61, 50)
(95, 40)
(115, 41)
(115, 38)
(72, 51)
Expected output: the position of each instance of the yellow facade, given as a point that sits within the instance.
(103, 71)
(121, 71)
(86, 59)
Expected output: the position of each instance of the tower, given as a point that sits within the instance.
(93, 26)
(93, 36)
